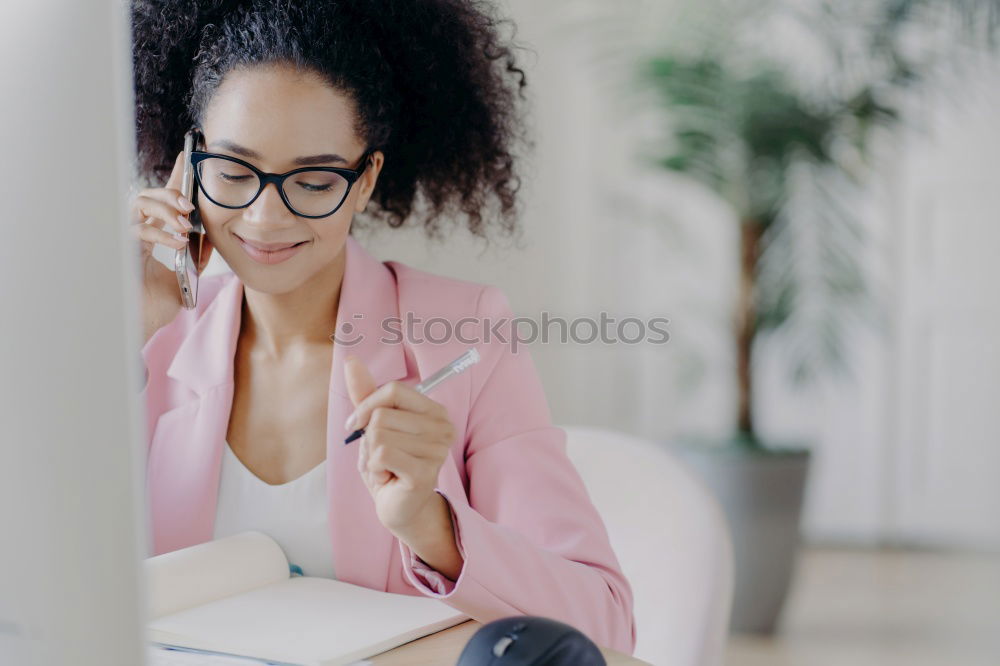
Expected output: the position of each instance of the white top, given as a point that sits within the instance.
(294, 514)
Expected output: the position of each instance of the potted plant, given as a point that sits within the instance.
(762, 141)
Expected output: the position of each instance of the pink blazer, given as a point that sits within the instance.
(532, 540)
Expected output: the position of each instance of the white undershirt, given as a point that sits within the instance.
(294, 514)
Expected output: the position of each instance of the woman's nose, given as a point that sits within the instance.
(268, 208)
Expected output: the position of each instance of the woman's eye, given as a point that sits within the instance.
(232, 179)
(309, 187)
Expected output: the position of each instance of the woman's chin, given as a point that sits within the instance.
(267, 280)
(275, 285)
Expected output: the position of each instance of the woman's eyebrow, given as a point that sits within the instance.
(311, 160)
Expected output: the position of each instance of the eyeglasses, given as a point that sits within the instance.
(312, 192)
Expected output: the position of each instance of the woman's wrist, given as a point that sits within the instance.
(432, 538)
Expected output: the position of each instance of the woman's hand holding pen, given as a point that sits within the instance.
(406, 441)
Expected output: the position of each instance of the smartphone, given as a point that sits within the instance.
(187, 261)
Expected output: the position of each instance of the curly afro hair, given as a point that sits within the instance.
(435, 86)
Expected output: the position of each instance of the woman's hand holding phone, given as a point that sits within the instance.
(154, 211)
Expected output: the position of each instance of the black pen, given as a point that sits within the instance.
(460, 364)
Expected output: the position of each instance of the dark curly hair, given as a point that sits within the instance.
(434, 84)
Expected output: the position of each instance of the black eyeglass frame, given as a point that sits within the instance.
(350, 175)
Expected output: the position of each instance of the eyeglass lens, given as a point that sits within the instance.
(308, 192)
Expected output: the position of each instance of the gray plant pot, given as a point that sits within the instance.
(761, 494)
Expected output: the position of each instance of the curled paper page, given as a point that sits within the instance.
(213, 570)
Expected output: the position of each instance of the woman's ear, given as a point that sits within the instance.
(366, 184)
(206, 253)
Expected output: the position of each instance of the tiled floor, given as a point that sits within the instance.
(884, 607)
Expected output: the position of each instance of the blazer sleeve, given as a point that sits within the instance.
(531, 539)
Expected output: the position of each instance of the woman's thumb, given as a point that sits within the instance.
(360, 383)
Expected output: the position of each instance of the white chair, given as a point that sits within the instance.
(671, 539)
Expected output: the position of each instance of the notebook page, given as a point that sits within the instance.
(208, 571)
(157, 656)
(309, 621)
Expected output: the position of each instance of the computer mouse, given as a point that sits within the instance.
(527, 640)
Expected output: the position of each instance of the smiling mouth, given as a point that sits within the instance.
(263, 249)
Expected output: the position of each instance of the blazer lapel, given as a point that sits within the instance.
(362, 546)
(187, 445)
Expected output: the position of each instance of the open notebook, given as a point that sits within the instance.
(236, 596)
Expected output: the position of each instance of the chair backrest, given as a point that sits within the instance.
(671, 540)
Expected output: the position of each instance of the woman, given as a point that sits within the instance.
(465, 495)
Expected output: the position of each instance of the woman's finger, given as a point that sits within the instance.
(154, 222)
(174, 182)
(384, 462)
(363, 457)
(168, 195)
(399, 395)
(391, 418)
(151, 234)
(371, 479)
(146, 206)
(415, 445)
